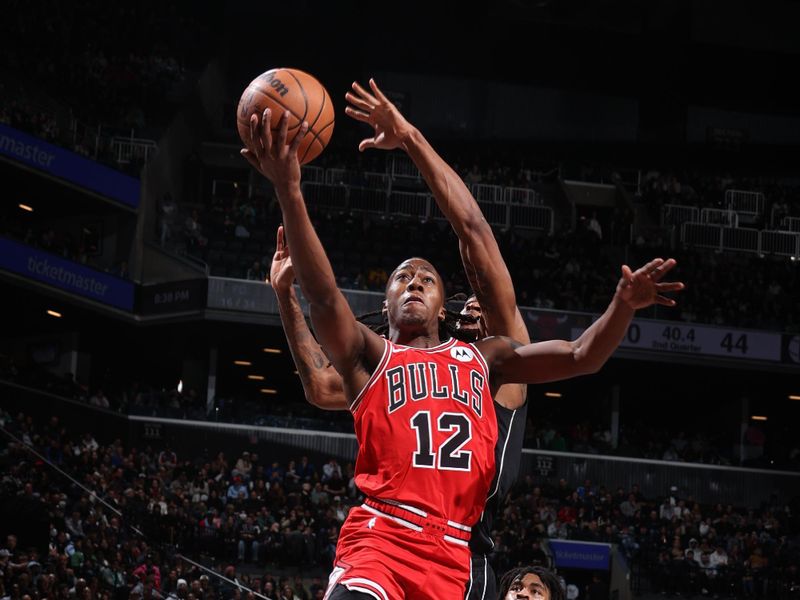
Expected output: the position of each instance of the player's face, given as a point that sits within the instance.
(473, 309)
(415, 295)
(529, 587)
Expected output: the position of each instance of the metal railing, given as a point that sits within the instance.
(525, 196)
(367, 200)
(782, 243)
(746, 203)
(531, 217)
(677, 214)
(325, 195)
(419, 205)
(378, 180)
(485, 192)
(741, 239)
(718, 216)
(313, 174)
(402, 167)
(702, 235)
(127, 150)
(790, 224)
(410, 204)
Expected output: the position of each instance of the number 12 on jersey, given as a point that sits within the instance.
(450, 455)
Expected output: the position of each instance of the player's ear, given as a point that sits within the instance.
(384, 308)
(442, 314)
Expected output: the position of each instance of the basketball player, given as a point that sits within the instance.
(530, 583)
(323, 388)
(422, 407)
(487, 274)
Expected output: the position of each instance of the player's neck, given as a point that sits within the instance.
(415, 339)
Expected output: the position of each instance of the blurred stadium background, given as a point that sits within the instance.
(142, 353)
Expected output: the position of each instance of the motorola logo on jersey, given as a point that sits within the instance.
(419, 381)
(462, 354)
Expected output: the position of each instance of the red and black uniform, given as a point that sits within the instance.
(427, 431)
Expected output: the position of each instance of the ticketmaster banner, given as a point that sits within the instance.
(580, 555)
(69, 166)
(65, 274)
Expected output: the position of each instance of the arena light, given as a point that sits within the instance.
(268, 391)
(243, 363)
(180, 386)
(25, 207)
(256, 377)
(794, 397)
(758, 418)
(53, 313)
(272, 350)
(553, 394)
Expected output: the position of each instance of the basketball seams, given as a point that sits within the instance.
(302, 91)
(281, 104)
(316, 136)
(321, 108)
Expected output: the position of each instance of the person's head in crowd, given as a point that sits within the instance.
(530, 583)
(182, 588)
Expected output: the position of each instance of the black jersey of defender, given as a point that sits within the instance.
(508, 453)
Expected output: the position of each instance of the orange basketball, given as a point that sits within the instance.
(302, 95)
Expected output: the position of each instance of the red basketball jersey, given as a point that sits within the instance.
(426, 429)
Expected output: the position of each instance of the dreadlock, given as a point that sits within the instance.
(448, 328)
(548, 578)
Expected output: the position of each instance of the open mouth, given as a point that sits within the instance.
(413, 299)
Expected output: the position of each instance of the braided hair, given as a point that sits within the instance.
(547, 577)
(448, 328)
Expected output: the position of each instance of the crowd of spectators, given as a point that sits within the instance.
(72, 79)
(119, 75)
(83, 248)
(246, 516)
(257, 519)
(681, 546)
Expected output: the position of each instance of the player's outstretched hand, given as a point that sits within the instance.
(274, 158)
(281, 272)
(375, 109)
(643, 287)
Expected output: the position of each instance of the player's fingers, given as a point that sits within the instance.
(366, 144)
(283, 133)
(299, 137)
(358, 102)
(255, 138)
(663, 269)
(651, 266)
(359, 89)
(279, 243)
(358, 115)
(377, 91)
(665, 301)
(627, 274)
(266, 125)
(671, 286)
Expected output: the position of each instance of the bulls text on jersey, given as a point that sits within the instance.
(421, 380)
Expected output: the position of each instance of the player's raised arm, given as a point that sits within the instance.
(554, 360)
(353, 350)
(483, 263)
(322, 384)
